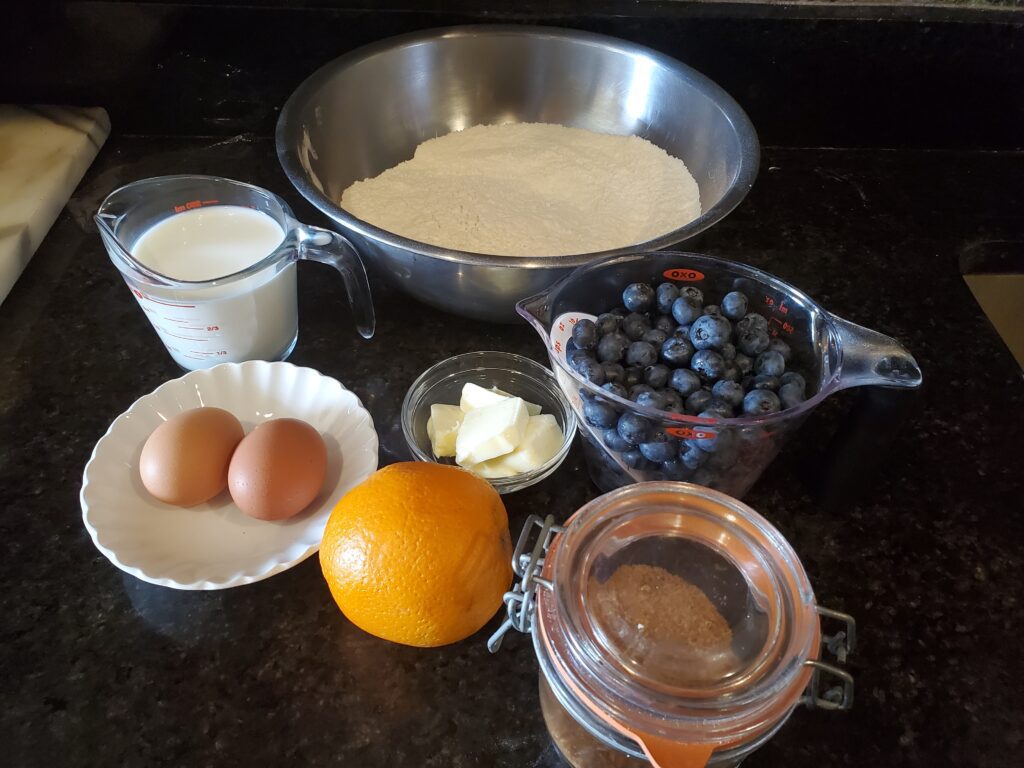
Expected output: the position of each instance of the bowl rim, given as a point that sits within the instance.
(513, 482)
(746, 171)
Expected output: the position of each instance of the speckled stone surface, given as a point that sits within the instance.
(98, 669)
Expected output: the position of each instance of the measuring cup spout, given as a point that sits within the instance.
(874, 359)
(536, 310)
(316, 244)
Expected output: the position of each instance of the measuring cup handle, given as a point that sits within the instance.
(316, 244)
(874, 359)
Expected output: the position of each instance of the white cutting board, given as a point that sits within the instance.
(44, 152)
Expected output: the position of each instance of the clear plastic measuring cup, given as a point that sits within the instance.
(830, 352)
(251, 314)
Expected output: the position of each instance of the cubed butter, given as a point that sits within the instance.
(474, 396)
(491, 430)
(443, 427)
(541, 441)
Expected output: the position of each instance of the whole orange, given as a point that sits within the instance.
(418, 554)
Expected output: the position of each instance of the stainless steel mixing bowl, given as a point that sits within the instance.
(368, 110)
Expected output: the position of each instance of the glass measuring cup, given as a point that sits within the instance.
(831, 353)
(251, 314)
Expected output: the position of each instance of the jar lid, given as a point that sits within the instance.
(679, 616)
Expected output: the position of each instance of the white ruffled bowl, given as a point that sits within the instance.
(215, 545)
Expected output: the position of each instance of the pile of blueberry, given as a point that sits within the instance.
(666, 349)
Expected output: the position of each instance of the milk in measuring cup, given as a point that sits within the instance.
(202, 326)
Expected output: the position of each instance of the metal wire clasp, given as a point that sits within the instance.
(519, 602)
(838, 693)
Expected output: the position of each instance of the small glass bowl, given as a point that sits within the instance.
(510, 373)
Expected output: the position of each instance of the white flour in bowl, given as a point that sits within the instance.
(530, 189)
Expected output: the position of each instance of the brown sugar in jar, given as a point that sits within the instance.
(673, 626)
(654, 608)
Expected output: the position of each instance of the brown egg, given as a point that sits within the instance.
(278, 469)
(185, 461)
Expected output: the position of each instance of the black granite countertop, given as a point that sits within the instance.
(99, 669)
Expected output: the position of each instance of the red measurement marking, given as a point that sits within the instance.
(685, 275)
(558, 346)
(769, 300)
(688, 433)
(212, 328)
(193, 204)
(561, 326)
(788, 328)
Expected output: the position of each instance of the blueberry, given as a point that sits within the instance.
(612, 347)
(770, 364)
(729, 391)
(674, 469)
(744, 362)
(698, 401)
(673, 401)
(778, 345)
(641, 353)
(620, 312)
(685, 310)
(693, 457)
(608, 323)
(633, 428)
(638, 297)
(638, 389)
(716, 409)
(635, 460)
(721, 440)
(615, 441)
(712, 309)
(791, 394)
(635, 326)
(764, 381)
(731, 373)
(591, 370)
(665, 295)
(599, 414)
(651, 400)
(660, 448)
(792, 377)
(676, 351)
(613, 372)
(693, 292)
(634, 376)
(682, 331)
(734, 305)
(684, 381)
(728, 351)
(655, 336)
(759, 402)
(576, 357)
(666, 324)
(616, 389)
(657, 375)
(751, 322)
(584, 333)
(710, 332)
(752, 342)
(723, 458)
(707, 364)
